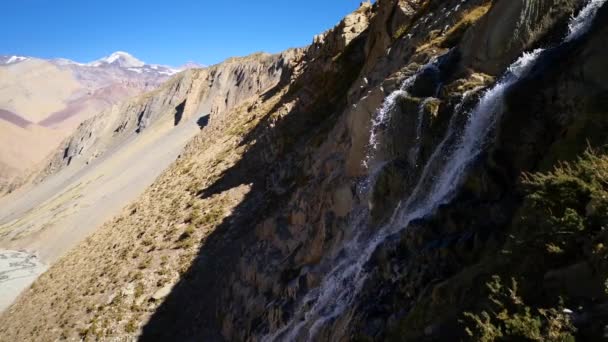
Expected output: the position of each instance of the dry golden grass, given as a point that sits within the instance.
(453, 34)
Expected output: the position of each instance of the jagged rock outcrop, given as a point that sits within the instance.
(373, 193)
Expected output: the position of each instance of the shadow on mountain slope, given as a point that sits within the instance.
(203, 121)
(193, 309)
(179, 113)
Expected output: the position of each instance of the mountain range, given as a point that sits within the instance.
(43, 101)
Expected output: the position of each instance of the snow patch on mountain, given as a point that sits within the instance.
(15, 59)
(64, 62)
(12, 59)
(118, 61)
(119, 58)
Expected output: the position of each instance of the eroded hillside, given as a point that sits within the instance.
(43, 101)
(418, 173)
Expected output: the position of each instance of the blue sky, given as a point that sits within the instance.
(164, 32)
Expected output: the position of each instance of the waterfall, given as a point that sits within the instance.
(382, 116)
(345, 280)
(379, 122)
(440, 178)
(341, 269)
(581, 23)
(414, 154)
(470, 144)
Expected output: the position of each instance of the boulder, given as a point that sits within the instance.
(162, 292)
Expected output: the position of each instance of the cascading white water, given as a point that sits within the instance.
(471, 142)
(382, 116)
(581, 23)
(344, 281)
(379, 122)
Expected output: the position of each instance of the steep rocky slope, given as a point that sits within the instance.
(419, 173)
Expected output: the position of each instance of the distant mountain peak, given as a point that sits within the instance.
(12, 59)
(118, 61)
(119, 58)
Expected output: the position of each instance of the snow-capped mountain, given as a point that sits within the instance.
(119, 58)
(191, 65)
(124, 60)
(121, 67)
(12, 59)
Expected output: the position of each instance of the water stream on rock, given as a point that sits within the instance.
(380, 121)
(18, 269)
(383, 115)
(440, 178)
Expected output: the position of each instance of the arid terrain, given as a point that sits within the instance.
(88, 181)
(422, 171)
(42, 102)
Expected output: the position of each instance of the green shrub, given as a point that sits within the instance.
(562, 222)
(508, 318)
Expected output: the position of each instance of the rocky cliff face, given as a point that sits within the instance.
(415, 176)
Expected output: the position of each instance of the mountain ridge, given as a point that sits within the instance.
(54, 96)
(118, 58)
